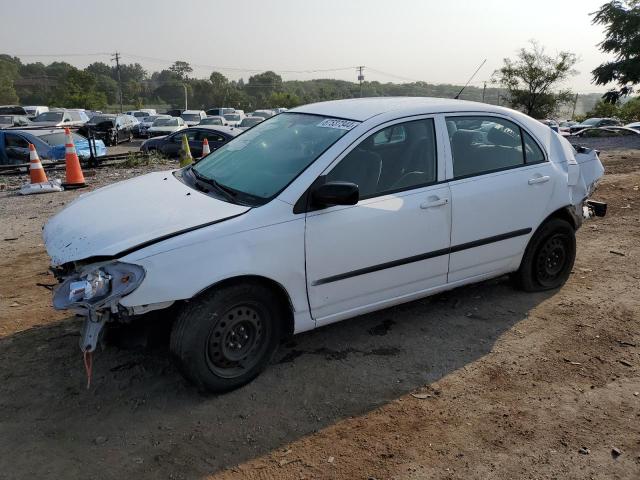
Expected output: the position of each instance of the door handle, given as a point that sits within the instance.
(540, 179)
(437, 202)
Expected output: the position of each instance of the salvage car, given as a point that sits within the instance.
(233, 119)
(171, 145)
(213, 120)
(634, 125)
(165, 126)
(248, 122)
(594, 123)
(49, 143)
(319, 214)
(193, 117)
(61, 118)
(110, 128)
(8, 121)
(147, 122)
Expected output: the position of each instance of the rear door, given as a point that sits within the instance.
(499, 194)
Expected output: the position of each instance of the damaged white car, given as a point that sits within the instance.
(319, 214)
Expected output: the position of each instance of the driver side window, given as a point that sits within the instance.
(400, 157)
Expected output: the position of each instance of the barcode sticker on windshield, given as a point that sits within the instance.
(339, 124)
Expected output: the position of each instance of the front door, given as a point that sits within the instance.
(394, 243)
(500, 189)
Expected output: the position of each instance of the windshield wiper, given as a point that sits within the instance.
(227, 192)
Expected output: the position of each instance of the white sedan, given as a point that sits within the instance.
(319, 214)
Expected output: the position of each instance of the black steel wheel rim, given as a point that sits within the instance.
(551, 261)
(237, 341)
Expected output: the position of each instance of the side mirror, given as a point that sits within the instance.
(336, 193)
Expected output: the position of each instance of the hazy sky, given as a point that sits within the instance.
(397, 40)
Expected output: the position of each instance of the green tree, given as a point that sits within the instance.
(262, 85)
(100, 68)
(621, 20)
(630, 111)
(182, 69)
(603, 109)
(78, 90)
(532, 80)
(9, 68)
(286, 100)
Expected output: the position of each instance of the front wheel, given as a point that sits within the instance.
(549, 257)
(225, 338)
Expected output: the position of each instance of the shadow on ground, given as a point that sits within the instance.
(142, 420)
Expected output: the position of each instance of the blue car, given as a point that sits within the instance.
(49, 143)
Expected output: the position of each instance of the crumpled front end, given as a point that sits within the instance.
(94, 292)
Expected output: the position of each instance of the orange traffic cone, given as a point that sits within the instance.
(205, 148)
(36, 172)
(74, 176)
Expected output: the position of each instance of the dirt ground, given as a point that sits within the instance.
(481, 382)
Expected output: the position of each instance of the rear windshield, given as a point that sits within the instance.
(166, 122)
(99, 119)
(232, 117)
(49, 117)
(12, 110)
(191, 117)
(58, 138)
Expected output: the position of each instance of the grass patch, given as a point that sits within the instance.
(137, 160)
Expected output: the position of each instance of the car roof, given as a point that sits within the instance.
(361, 109)
(192, 111)
(40, 131)
(220, 128)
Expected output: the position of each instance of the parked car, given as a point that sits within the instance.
(34, 110)
(112, 129)
(214, 120)
(276, 111)
(165, 126)
(139, 114)
(248, 122)
(12, 110)
(219, 111)
(262, 113)
(594, 123)
(143, 112)
(61, 118)
(319, 214)
(8, 121)
(634, 125)
(605, 132)
(147, 122)
(171, 144)
(233, 119)
(193, 117)
(175, 112)
(49, 143)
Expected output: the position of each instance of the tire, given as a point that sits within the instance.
(549, 257)
(225, 338)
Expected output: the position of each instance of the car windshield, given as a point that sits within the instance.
(140, 114)
(591, 121)
(166, 122)
(49, 117)
(250, 121)
(151, 118)
(6, 120)
(58, 138)
(232, 117)
(211, 121)
(264, 160)
(190, 117)
(96, 119)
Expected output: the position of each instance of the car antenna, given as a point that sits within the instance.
(470, 78)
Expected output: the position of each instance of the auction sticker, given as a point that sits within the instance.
(339, 124)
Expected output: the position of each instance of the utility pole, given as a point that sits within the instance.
(575, 103)
(484, 89)
(116, 57)
(185, 96)
(360, 77)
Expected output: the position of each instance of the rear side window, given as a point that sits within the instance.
(486, 144)
(211, 137)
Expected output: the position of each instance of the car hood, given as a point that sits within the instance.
(129, 215)
(164, 129)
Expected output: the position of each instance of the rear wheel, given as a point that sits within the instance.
(224, 339)
(549, 257)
